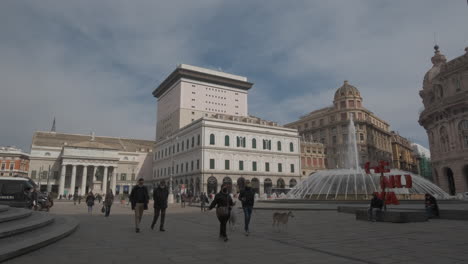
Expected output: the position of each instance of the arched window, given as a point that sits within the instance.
(254, 143)
(226, 141)
(212, 139)
(47, 153)
(444, 139)
(463, 132)
(291, 147)
(278, 144)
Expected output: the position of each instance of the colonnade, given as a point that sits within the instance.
(84, 178)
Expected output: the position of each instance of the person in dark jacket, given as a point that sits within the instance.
(223, 203)
(160, 195)
(90, 202)
(203, 201)
(139, 198)
(34, 197)
(247, 197)
(375, 207)
(432, 209)
(108, 201)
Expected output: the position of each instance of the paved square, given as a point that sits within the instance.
(192, 237)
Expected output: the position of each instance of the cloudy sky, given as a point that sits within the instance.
(93, 64)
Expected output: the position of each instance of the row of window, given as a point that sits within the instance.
(3, 167)
(227, 166)
(176, 148)
(179, 168)
(241, 142)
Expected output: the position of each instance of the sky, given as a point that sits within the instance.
(94, 64)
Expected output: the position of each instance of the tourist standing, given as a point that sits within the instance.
(223, 203)
(247, 197)
(203, 201)
(90, 202)
(139, 198)
(75, 198)
(432, 209)
(108, 201)
(375, 208)
(183, 200)
(160, 195)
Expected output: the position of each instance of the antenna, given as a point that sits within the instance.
(53, 126)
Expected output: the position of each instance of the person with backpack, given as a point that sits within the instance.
(223, 203)
(247, 198)
(90, 202)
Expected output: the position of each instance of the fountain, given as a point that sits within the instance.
(353, 183)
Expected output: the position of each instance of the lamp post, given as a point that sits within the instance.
(170, 199)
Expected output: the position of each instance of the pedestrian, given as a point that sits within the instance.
(99, 197)
(202, 202)
(75, 198)
(223, 203)
(247, 198)
(139, 198)
(375, 208)
(108, 201)
(160, 195)
(79, 199)
(183, 200)
(432, 209)
(90, 202)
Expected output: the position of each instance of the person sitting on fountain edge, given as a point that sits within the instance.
(432, 209)
(375, 208)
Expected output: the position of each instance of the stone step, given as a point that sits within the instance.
(17, 245)
(36, 220)
(4, 208)
(14, 214)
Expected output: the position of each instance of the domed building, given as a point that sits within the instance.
(329, 126)
(445, 118)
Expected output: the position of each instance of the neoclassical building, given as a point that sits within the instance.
(445, 118)
(403, 156)
(205, 136)
(13, 161)
(329, 126)
(313, 157)
(66, 163)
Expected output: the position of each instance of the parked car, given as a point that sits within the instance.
(16, 191)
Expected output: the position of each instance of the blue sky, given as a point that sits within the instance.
(94, 64)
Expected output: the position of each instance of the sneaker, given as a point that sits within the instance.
(162, 229)
(138, 230)
(226, 239)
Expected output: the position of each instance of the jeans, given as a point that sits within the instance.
(429, 211)
(247, 215)
(223, 219)
(372, 213)
(90, 208)
(108, 208)
(157, 212)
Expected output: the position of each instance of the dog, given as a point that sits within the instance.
(232, 219)
(281, 219)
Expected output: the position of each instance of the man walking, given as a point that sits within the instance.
(247, 197)
(139, 198)
(160, 195)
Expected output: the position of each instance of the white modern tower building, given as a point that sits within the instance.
(205, 136)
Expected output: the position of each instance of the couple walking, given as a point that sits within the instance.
(224, 203)
(139, 198)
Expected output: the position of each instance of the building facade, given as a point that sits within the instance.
(313, 157)
(330, 125)
(13, 161)
(66, 163)
(403, 157)
(445, 118)
(205, 136)
(423, 160)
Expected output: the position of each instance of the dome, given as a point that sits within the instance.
(347, 90)
(437, 60)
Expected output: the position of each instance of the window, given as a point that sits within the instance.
(334, 139)
(292, 168)
(181, 168)
(191, 165)
(351, 103)
(254, 166)
(33, 173)
(56, 175)
(212, 164)
(177, 169)
(343, 104)
(267, 166)
(186, 166)
(241, 165)
(226, 141)
(198, 164)
(343, 116)
(198, 140)
(463, 131)
(291, 147)
(133, 176)
(226, 164)
(182, 143)
(177, 147)
(267, 144)
(254, 143)
(361, 136)
(188, 141)
(278, 145)
(212, 139)
(11, 165)
(358, 103)
(321, 122)
(280, 167)
(123, 176)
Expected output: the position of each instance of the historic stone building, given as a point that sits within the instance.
(330, 126)
(205, 136)
(313, 157)
(445, 118)
(65, 163)
(423, 160)
(403, 157)
(13, 161)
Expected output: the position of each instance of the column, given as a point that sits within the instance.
(73, 180)
(114, 179)
(62, 180)
(91, 187)
(104, 181)
(84, 177)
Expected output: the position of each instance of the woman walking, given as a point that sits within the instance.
(108, 201)
(90, 202)
(223, 203)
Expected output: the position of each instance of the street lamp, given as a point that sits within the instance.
(171, 193)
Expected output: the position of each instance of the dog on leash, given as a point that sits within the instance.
(281, 219)
(232, 219)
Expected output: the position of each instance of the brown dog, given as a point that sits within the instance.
(281, 218)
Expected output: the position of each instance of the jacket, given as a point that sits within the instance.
(90, 200)
(376, 203)
(221, 200)
(247, 197)
(139, 194)
(160, 196)
(109, 199)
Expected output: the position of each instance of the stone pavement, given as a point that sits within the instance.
(192, 237)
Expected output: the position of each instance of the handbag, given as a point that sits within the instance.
(103, 209)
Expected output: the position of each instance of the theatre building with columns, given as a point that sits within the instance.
(66, 163)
